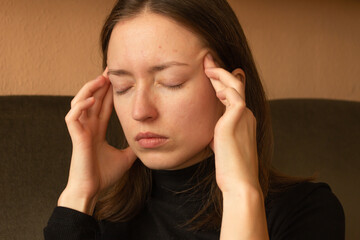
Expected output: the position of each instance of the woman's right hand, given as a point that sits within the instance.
(95, 165)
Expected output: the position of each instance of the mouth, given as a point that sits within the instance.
(150, 140)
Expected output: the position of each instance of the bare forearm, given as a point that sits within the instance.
(244, 216)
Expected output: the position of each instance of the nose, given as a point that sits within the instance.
(144, 106)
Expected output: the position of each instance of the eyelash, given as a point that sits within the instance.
(122, 91)
(175, 87)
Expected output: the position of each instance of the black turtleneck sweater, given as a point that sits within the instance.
(305, 211)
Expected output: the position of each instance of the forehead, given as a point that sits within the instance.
(151, 37)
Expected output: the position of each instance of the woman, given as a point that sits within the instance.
(189, 99)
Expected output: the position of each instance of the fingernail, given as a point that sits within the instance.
(208, 56)
(105, 73)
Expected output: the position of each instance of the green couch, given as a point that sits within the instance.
(311, 135)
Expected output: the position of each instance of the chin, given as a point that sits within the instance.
(159, 163)
(171, 160)
(159, 160)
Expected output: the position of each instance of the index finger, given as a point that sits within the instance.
(220, 78)
(89, 89)
(105, 73)
(210, 64)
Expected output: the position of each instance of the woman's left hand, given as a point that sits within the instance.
(236, 159)
(234, 142)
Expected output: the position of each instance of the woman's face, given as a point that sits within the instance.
(165, 103)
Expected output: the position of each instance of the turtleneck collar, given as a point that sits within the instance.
(168, 183)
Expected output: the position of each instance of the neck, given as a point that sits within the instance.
(168, 183)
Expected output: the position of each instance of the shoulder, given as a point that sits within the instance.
(302, 192)
(307, 209)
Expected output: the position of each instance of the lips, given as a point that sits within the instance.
(148, 135)
(150, 140)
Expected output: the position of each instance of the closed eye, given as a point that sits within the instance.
(171, 87)
(174, 87)
(122, 91)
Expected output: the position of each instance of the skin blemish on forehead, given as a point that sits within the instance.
(160, 46)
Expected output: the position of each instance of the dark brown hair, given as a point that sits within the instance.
(216, 25)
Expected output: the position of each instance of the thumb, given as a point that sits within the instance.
(130, 156)
(211, 144)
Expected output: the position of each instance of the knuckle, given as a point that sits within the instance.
(67, 118)
(238, 85)
(240, 105)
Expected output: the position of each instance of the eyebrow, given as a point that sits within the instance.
(153, 69)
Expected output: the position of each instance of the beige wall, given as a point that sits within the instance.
(50, 46)
(302, 48)
(308, 48)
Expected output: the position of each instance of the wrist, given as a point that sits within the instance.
(243, 191)
(244, 215)
(73, 200)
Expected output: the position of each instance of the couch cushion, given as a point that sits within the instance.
(321, 137)
(35, 152)
(35, 149)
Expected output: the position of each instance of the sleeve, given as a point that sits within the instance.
(319, 215)
(69, 224)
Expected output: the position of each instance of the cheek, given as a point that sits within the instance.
(199, 108)
(118, 110)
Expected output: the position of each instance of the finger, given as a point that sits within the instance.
(107, 105)
(126, 158)
(130, 155)
(99, 95)
(231, 96)
(208, 64)
(227, 79)
(72, 118)
(211, 144)
(88, 89)
(235, 104)
(105, 73)
(209, 61)
(106, 110)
